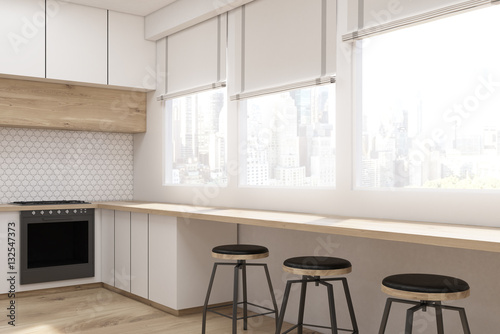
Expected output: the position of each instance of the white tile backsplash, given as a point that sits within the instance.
(38, 164)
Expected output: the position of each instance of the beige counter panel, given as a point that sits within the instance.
(446, 235)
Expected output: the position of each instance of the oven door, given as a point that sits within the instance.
(57, 246)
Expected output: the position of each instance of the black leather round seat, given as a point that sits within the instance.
(240, 252)
(425, 283)
(317, 265)
(424, 291)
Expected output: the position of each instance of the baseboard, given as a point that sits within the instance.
(79, 287)
(48, 291)
(158, 306)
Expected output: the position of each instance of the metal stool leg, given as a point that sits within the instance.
(350, 306)
(409, 318)
(385, 317)
(245, 308)
(331, 302)
(205, 306)
(271, 291)
(302, 304)
(465, 323)
(439, 317)
(235, 298)
(283, 307)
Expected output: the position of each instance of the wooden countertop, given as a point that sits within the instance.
(446, 235)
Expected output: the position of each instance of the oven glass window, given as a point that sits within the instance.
(57, 244)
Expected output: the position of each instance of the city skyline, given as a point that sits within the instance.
(427, 124)
(199, 135)
(290, 138)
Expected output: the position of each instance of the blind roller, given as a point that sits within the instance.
(287, 41)
(196, 57)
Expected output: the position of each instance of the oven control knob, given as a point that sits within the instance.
(75, 211)
(58, 212)
(67, 211)
(50, 212)
(33, 213)
(42, 212)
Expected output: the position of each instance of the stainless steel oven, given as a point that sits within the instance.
(56, 245)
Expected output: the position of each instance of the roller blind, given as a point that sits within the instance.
(381, 11)
(286, 42)
(196, 58)
(378, 19)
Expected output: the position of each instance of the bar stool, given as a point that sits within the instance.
(312, 268)
(239, 253)
(430, 290)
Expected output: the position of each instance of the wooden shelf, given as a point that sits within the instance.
(32, 104)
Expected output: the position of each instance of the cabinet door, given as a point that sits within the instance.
(139, 274)
(22, 38)
(132, 59)
(10, 233)
(108, 246)
(122, 250)
(163, 260)
(77, 44)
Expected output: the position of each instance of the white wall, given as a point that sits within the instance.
(373, 260)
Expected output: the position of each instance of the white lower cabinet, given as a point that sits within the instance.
(9, 261)
(122, 250)
(108, 246)
(139, 243)
(162, 258)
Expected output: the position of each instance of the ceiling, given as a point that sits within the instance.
(137, 7)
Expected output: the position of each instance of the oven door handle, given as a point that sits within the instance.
(56, 219)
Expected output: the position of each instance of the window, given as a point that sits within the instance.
(198, 141)
(289, 138)
(430, 105)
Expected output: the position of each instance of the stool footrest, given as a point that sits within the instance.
(317, 326)
(211, 309)
(325, 327)
(290, 329)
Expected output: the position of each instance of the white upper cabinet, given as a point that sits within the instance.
(77, 44)
(22, 38)
(132, 59)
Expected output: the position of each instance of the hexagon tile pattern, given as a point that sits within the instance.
(40, 164)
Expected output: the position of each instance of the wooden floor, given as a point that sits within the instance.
(100, 311)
